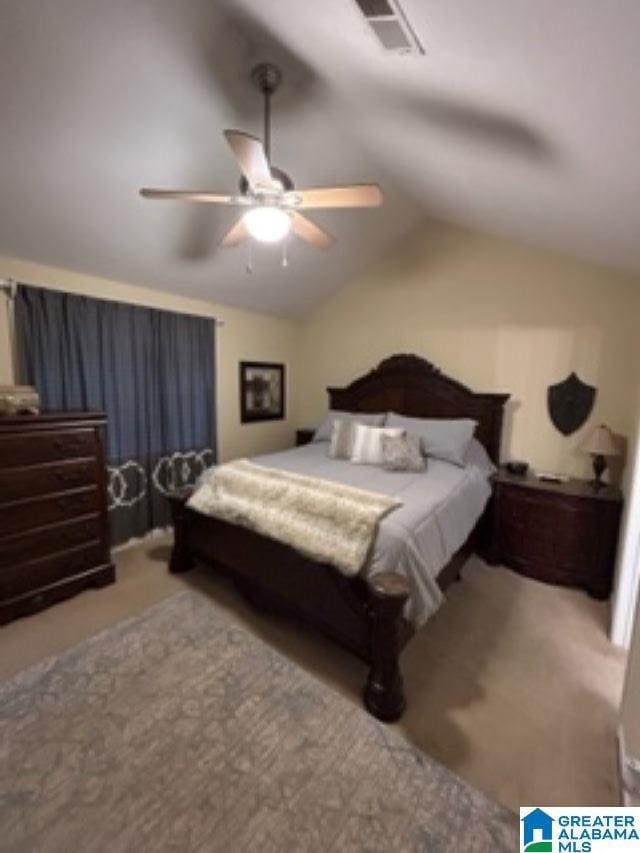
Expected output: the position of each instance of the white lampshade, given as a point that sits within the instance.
(601, 442)
(267, 224)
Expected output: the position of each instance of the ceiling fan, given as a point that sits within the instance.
(272, 202)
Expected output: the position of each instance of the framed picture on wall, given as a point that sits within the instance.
(262, 391)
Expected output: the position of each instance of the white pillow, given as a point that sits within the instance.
(323, 433)
(366, 448)
(342, 438)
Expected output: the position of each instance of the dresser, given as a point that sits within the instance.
(54, 534)
(563, 533)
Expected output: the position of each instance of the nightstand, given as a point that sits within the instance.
(304, 436)
(562, 533)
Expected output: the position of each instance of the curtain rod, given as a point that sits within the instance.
(9, 285)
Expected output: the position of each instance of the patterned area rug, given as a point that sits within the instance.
(178, 730)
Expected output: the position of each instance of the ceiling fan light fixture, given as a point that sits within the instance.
(267, 224)
(272, 205)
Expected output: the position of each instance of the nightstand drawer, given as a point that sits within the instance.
(304, 436)
(562, 531)
(559, 537)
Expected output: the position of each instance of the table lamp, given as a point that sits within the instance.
(600, 444)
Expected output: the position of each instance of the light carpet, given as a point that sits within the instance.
(513, 684)
(180, 730)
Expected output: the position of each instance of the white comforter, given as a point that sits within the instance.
(440, 508)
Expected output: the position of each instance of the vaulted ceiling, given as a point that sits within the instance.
(521, 119)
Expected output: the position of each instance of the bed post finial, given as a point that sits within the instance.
(384, 691)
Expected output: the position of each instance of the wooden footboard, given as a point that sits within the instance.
(363, 616)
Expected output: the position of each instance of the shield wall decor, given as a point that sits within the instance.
(570, 403)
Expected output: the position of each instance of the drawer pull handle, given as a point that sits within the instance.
(71, 536)
(71, 502)
(71, 444)
(67, 477)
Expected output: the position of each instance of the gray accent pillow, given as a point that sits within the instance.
(402, 453)
(342, 438)
(323, 433)
(477, 457)
(443, 439)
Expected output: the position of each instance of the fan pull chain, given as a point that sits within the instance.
(285, 252)
(249, 267)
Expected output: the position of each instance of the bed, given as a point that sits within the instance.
(374, 614)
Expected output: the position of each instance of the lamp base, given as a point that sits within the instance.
(599, 467)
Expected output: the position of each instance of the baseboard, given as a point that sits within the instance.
(137, 540)
(629, 773)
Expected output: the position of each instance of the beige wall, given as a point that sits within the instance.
(496, 316)
(492, 314)
(244, 336)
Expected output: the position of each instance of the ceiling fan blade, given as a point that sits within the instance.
(235, 235)
(251, 157)
(354, 195)
(192, 195)
(309, 231)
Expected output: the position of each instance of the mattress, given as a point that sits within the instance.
(440, 508)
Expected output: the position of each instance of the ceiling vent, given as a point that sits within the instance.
(390, 24)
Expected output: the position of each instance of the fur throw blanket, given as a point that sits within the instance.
(326, 521)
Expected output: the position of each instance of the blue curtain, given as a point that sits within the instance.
(151, 371)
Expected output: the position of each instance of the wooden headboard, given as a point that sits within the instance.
(410, 385)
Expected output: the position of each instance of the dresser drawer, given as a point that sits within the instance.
(47, 540)
(26, 515)
(54, 530)
(16, 580)
(20, 483)
(29, 448)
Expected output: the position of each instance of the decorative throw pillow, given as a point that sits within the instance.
(441, 438)
(342, 438)
(367, 443)
(402, 453)
(323, 433)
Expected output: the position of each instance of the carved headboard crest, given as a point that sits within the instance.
(412, 386)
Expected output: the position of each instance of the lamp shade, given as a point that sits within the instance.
(601, 442)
